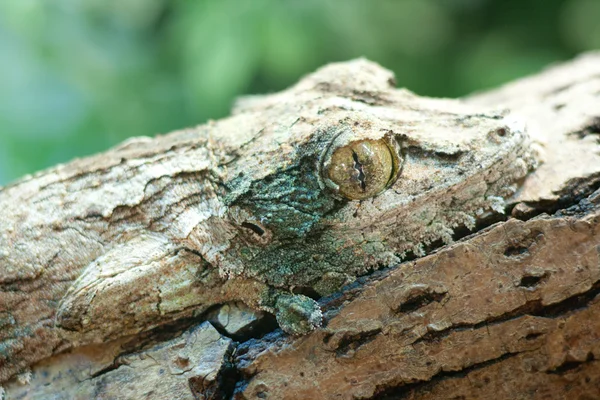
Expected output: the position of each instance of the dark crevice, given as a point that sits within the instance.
(460, 233)
(534, 308)
(114, 365)
(572, 201)
(263, 325)
(533, 336)
(530, 281)
(592, 129)
(519, 246)
(570, 304)
(162, 333)
(247, 351)
(227, 380)
(331, 304)
(352, 342)
(306, 291)
(482, 224)
(192, 251)
(418, 152)
(427, 249)
(571, 365)
(405, 390)
(516, 251)
(420, 300)
(223, 386)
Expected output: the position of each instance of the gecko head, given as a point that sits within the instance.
(343, 179)
(352, 198)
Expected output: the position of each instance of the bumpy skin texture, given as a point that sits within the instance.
(240, 209)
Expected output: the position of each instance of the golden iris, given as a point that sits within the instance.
(361, 169)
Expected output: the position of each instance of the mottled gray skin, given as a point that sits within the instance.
(159, 229)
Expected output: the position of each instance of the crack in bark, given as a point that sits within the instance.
(351, 342)
(572, 200)
(533, 308)
(593, 128)
(398, 391)
(568, 366)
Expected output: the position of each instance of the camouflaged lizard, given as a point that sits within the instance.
(296, 192)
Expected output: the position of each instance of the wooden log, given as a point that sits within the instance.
(509, 311)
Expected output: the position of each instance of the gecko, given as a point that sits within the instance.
(290, 198)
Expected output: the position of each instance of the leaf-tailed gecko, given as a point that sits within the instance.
(296, 194)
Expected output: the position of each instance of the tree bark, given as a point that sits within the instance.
(510, 311)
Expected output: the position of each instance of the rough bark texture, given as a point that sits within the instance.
(246, 209)
(509, 312)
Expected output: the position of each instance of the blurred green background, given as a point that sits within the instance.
(78, 76)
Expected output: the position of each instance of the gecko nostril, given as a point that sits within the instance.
(254, 228)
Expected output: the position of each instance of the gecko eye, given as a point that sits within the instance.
(362, 169)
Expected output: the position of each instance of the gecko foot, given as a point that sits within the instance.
(297, 314)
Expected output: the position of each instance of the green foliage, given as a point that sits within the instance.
(79, 76)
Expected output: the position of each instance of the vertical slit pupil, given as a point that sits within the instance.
(361, 174)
